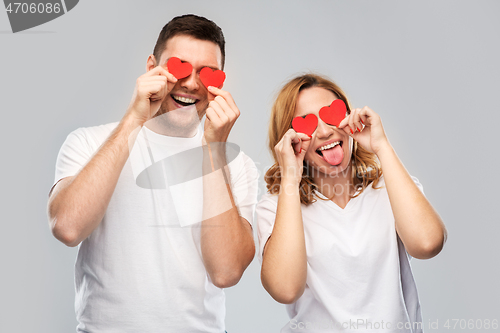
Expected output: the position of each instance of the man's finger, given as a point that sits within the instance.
(159, 70)
(225, 94)
(231, 113)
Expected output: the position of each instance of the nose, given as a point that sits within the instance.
(191, 83)
(324, 131)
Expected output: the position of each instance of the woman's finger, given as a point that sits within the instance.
(344, 122)
(357, 122)
(367, 115)
(352, 116)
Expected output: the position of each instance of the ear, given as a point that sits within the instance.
(151, 63)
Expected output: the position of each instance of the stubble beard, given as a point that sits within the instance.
(181, 122)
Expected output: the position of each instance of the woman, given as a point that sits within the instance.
(335, 234)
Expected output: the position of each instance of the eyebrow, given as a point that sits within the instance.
(306, 114)
(212, 68)
(177, 58)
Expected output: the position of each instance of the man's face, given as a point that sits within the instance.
(189, 93)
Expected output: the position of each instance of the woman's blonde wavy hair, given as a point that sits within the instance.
(365, 166)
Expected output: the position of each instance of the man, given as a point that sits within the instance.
(154, 257)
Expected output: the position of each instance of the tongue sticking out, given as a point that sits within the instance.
(334, 156)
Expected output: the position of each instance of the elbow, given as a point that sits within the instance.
(61, 232)
(228, 273)
(430, 248)
(283, 293)
(226, 279)
(67, 237)
(286, 296)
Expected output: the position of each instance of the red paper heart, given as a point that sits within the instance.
(334, 113)
(209, 77)
(305, 125)
(178, 68)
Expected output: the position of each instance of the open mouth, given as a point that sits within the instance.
(184, 101)
(332, 145)
(332, 153)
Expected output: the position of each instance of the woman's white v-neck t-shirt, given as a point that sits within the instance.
(358, 272)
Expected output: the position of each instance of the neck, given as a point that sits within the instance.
(338, 186)
(160, 126)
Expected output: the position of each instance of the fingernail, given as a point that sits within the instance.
(362, 121)
(301, 149)
(358, 129)
(352, 132)
(309, 135)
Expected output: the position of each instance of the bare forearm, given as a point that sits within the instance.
(226, 238)
(417, 223)
(284, 263)
(77, 205)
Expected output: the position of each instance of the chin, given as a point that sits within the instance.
(322, 168)
(179, 120)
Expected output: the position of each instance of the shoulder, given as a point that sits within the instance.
(246, 160)
(94, 134)
(242, 164)
(381, 183)
(268, 200)
(88, 139)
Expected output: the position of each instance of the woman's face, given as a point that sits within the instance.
(330, 149)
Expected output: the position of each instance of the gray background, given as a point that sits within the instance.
(429, 68)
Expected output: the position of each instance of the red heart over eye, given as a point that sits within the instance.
(209, 77)
(305, 125)
(178, 68)
(334, 113)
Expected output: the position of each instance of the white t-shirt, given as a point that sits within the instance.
(141, 269)
(358, 272)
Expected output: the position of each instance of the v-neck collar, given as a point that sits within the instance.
(350, 204)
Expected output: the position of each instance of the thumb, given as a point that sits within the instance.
(210, 96)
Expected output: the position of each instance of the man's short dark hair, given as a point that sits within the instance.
(194, 26)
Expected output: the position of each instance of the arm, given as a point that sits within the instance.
(417, 223)
(284, 260)
(226, 238)
(227, 243)
(77, 204)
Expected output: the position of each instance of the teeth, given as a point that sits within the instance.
(184, 99)
(331, 145)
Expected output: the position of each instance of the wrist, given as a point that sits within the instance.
(131, 120)
(289, 187)
(290, 181)
(384, 151)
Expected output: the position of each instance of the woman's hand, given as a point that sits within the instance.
(290, 152)
(371, 136)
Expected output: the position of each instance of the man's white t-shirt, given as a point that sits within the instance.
(358, 272)
(141, 269)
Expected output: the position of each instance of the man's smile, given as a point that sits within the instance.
(184, 100)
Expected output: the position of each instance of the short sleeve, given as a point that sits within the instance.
(265, 216)
(244, 185)
(73, 155)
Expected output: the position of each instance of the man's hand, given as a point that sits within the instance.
(150, 90)
(222, 112)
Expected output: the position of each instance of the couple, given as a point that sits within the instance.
(156, 251)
